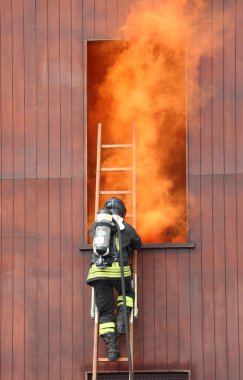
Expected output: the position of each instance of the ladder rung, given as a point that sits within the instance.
(115, 169)
(116, 192)
(118, 360)
(116, 146)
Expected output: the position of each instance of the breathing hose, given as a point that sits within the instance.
(124, 302)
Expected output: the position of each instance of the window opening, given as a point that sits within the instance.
(125, 90)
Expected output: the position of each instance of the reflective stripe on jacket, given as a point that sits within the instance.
(112, 271)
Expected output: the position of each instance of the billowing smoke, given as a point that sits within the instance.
(143, 84)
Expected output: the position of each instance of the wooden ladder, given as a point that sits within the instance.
(98, 192)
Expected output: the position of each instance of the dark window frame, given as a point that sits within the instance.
(144, 374)
(166, 245)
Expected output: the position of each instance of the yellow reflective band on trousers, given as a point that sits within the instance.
(129, 301)
(113, 271)
(106, 327)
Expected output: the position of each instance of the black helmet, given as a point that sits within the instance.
(116, 206)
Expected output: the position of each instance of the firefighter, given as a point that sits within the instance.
(105, 275)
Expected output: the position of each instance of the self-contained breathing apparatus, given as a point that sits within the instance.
(105, 246)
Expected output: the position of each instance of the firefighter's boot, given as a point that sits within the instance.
(120, 321)
(111, 341)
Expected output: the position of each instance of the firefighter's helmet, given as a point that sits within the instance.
(116, 206)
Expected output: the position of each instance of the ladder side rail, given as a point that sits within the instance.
(135, 285)
(135, 308)
(97, 190)
(98, 164)
(95, 345)
(134, 177)
(94, 311)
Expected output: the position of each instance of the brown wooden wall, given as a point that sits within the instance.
(190, 302)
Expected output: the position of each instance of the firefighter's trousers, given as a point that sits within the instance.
(104, 299)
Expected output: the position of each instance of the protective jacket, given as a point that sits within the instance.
(130, 241)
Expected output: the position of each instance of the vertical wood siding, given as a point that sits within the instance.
(190, 303)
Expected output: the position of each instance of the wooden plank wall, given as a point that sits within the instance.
(190, 304)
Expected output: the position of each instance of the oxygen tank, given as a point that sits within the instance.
(101, 241)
